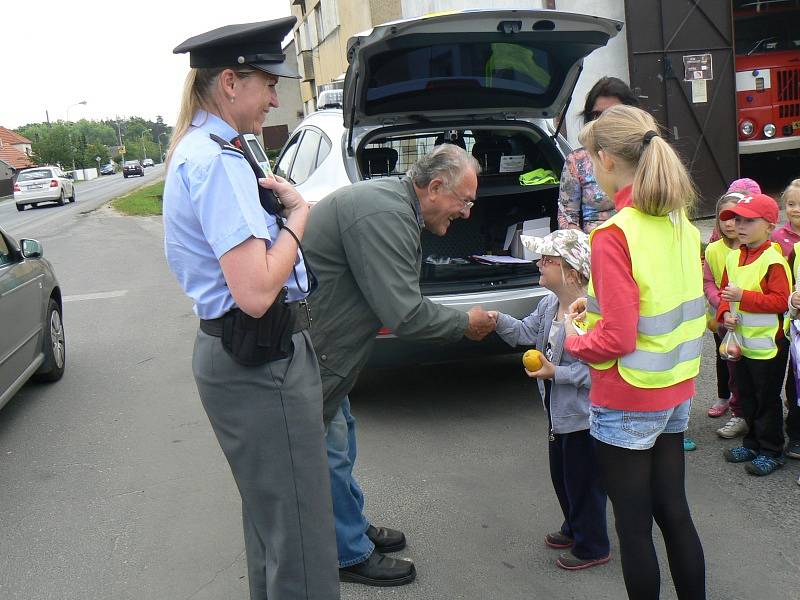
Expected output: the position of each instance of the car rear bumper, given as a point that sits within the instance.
(391, 351)
(773, 145)
(44, 195)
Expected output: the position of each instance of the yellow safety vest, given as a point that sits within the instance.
(715, 255)
(665, 260)
(758, 330)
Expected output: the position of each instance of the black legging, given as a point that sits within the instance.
(647, 484)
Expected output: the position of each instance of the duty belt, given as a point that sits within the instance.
(299, 309)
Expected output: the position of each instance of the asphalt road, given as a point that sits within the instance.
(113, 486)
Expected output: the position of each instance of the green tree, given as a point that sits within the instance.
(52, 146)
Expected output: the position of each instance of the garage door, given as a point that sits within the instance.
(681, 67)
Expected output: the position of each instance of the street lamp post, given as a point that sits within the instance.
(69, 131)
(160, 151)
(144, 150)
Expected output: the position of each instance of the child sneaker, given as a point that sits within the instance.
(719, 408)
(763, 465)
(735, 427)
(793, 449)
(739, 454)
(558, 540)
(570, 562)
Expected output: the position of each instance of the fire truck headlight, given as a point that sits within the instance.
(746, 128)
(769, 130)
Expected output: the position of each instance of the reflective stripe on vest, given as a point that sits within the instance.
(758, 330)
(669, 340)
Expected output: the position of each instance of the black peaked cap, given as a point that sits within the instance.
(257, 45)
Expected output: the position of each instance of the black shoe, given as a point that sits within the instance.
(379, 570)
(386, 540)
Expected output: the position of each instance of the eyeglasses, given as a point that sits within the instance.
(549, 260)
(467, 203)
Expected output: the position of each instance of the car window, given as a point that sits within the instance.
(282, 168)
(306, 160)
(324, 149)
(34, 174)
(5, 252)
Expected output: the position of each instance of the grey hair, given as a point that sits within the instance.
(446, 161)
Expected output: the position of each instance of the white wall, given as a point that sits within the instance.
(416, 8)
(611, 60)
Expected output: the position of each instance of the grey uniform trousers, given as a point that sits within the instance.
(268, 421)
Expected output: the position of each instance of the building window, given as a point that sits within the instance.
(326, 17)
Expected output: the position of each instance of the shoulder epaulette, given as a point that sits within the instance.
(225, 144)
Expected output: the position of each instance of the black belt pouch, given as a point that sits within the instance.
(252, 342)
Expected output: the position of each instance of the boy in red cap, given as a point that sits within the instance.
(755, 292)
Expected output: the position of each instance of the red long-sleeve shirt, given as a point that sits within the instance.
(775, 285)
(614, 335)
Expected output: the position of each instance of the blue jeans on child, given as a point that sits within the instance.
(351, 525)
(634, 429)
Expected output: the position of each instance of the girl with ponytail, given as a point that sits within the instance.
(645, 318)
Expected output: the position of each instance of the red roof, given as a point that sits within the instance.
(15, 157)
(9, 137)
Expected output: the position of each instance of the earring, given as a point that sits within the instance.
(232, 99)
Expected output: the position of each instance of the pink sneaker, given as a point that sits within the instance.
(719, 408)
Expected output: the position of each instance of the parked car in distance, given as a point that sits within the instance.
(32, 343)
(42, 184)
(489, 81)
(148, 162)
(108, 169)
(132, 167)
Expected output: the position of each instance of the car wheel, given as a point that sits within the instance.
(55, 355)
(125, 176)
(72, 198)
(20, 207)
(61, 198)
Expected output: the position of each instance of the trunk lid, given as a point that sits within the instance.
(489, 63)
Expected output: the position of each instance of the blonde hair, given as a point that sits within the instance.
(661, 184)
(793, 189)
(196, 95)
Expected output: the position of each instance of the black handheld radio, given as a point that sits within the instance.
(269, 200)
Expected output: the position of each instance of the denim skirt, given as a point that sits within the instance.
(637, 430)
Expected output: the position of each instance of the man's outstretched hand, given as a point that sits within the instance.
(481, 323)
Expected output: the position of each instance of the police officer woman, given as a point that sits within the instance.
(253, 362)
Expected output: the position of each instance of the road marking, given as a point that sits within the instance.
(97, 296)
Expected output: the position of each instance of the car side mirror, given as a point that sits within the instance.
(31, 248)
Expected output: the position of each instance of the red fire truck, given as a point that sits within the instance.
(767, 40)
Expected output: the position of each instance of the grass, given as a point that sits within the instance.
(145, 201)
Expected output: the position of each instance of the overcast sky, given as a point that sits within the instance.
(115, 55)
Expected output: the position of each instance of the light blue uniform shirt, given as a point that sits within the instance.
(210, 206)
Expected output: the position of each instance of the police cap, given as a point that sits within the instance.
(257, 45)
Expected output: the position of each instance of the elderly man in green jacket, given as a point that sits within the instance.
(363, 242)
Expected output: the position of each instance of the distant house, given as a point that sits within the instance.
(6, 179)
(15, 150)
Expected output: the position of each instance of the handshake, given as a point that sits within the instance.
(481, 323)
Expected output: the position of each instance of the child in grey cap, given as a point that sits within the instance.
(564, 384)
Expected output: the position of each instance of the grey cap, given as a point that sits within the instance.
(257, 45)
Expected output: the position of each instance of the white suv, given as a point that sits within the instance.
(490, 81)
(43, 184)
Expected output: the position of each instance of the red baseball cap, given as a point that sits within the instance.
(757, 206)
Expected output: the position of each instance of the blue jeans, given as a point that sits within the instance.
(352, 542)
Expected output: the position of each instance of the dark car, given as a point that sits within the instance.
(132, 167)
(108, 169)
(32, 338)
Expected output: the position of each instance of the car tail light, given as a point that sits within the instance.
(53, 183)
(17, 188)
(384, 331)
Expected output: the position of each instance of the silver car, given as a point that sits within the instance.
(43, 184)
(32, 340)
(490, 81)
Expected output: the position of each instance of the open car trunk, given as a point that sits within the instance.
(503, 208)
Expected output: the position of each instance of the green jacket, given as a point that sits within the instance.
(363, 244)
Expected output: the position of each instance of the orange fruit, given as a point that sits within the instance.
(532, 360)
